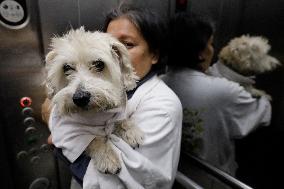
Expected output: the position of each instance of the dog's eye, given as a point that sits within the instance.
(98, 65)
(67, 69)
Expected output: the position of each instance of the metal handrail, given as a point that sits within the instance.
(186, 182)
(217, 173)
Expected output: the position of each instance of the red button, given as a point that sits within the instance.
(26, 102)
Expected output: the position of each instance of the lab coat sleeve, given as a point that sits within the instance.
(247, 113)
(160, 119)
(137, 170)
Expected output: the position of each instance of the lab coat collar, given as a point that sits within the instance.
(221, 70)
(140, 82)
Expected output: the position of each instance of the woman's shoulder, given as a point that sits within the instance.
(190, 80)
(163, 94)
(225, 84)
(224, 90)
(156, 94)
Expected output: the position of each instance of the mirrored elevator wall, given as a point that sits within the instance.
(258, 155)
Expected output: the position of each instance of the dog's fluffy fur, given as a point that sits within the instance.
(248, 56)
(91, 71)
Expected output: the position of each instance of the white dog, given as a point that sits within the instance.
(242, 59)
(88, 75)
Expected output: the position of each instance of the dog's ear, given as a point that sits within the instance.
(50, 88)
(268, 63)
(49, 57)
(129, 76)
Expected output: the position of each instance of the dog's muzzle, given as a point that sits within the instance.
(81, 98)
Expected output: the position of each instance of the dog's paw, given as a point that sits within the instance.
(266, 96)
(131, 134)
(103, 155)
(257, 93)
(110, 164)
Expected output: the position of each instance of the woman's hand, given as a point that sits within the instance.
(45, 113)
(45, 110)
(49, 140)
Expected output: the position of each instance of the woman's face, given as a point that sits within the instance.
(207, 54)
(126, 32)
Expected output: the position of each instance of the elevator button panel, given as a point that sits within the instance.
(32, 136)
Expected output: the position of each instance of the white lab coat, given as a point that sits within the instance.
(157, 111)
(227, 112)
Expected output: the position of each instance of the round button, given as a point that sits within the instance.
(26, 102)
(45, 148)
(40, 183)
(22, 154)
(30, 130)
(29, 121)
(27, 111)
(35, 159)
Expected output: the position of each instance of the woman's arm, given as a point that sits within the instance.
(247, 112)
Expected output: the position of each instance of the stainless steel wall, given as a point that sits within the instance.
(24, 154)
(58, 16)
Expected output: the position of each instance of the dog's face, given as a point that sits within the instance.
(88, 71)
(248, 55)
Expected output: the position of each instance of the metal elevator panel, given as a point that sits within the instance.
(25, 154)
(92, 13)
(163, 8)
(56, 18)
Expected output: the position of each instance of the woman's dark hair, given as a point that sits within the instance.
(189, 34)
(151, 27)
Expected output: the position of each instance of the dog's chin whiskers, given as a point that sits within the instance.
(103, 106)
(69, 110)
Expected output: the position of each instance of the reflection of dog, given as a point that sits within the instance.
(90, 72)
(242, 58)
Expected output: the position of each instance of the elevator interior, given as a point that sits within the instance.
(26, 160)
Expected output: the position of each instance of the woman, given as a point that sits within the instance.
(216, 111)
(153, 107)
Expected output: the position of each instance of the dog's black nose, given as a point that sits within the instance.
(81, 98)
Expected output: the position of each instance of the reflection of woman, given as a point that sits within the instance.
(217, 111)
(153, 107)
